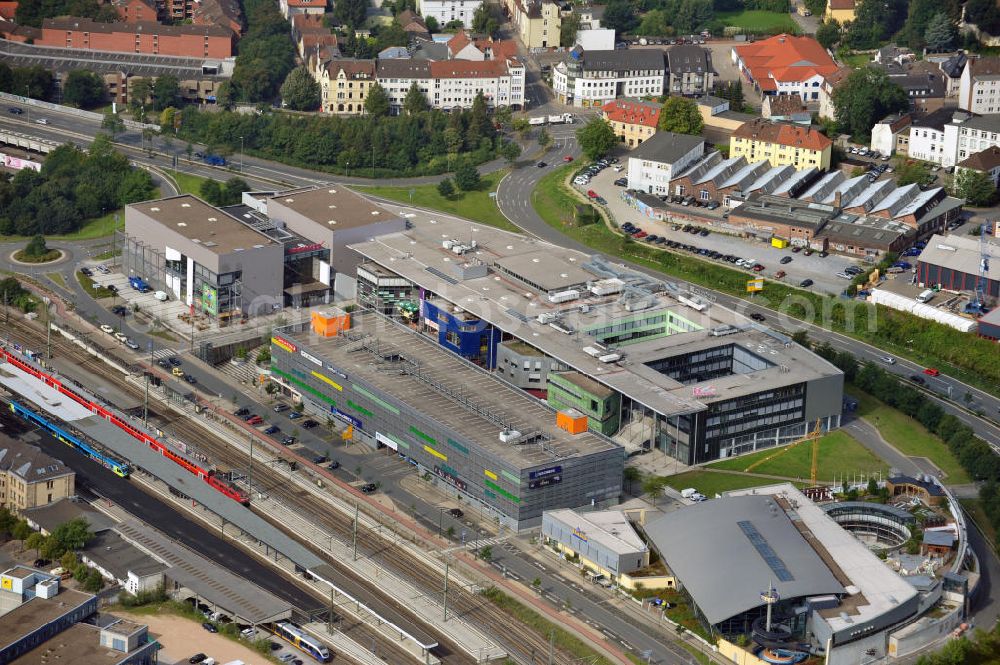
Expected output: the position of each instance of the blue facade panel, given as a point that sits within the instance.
(473, 339)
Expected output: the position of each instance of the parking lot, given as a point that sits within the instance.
(822, 271)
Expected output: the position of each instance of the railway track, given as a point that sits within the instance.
(522, 642)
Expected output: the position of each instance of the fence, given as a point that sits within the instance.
(80, 113)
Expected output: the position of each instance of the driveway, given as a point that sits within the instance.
(821, 271)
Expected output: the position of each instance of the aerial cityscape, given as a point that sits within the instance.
(499, 331)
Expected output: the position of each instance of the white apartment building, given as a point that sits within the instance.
(446, 11)
(974, 135)
(657, 160)
(453, 84)
(947, 136)
(927, 138)
(594, 78)
(979, 89)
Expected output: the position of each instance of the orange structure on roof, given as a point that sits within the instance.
(572, 421)
(330, 322)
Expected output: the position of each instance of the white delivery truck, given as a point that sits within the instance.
(537, 121)
(561, 119)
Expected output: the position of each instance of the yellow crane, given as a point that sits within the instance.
(813, 436)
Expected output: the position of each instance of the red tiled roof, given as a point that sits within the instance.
(458, 42)
(501, 48)
(457, 69)
(632, 113)
(307, 3)
(781, 133)
(786, 58)
(841, 4)
(7, 10)
(986, 161)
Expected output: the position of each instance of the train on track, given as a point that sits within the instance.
(302, 641)
(220, 485)
(117, 466)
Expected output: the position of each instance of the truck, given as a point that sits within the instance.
(780, 243)
(139, 284)
(214, 160)
(926, 295)
(561, 119)
(536, 121)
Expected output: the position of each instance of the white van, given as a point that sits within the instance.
(925, 296)
(689, 492)
(161, 296)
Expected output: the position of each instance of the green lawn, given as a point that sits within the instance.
(475, 205)
(554, 204)
(974, 509)
(909, 436)
(839, 455)
(94, 291)
(104, 256)
(856, 60)
(186, 182)
(759, 21)
(710, 483)
(97, 227)
(57, 278)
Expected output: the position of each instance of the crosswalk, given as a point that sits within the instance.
(159, 354)
(472, 543)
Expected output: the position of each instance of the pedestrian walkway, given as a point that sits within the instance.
(474, 544)
(245, 373)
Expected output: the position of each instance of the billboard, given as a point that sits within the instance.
(209, 300)
(754, 285)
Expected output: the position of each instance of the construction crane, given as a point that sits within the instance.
(978, 303)
(815, 435)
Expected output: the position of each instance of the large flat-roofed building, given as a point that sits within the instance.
(953, 262)
(604, 540)
(34, 609)
(484, 439)
(121, 643)
(668, 369)
(203, 256)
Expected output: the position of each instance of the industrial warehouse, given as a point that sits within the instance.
(649, 364)
(487, 441)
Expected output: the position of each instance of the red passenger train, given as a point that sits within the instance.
(208, 476)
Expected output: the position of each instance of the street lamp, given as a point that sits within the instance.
(241, 154)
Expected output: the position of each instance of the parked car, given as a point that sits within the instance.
(255, 420)
(14, 110)
(930, 371)
(174, 361)
(456, 513)
(780, 274)
(541, 165)
(121, 337)
(785, 260)
(107, 329)
(568, 158)
(334, 465)
(190, 379)
(294, 415)
(197, 658)
(87, 271)
(757, 317)
(242, 411)
(210, 627)
(177, 371)
(132, 345)
(806, 282)
(368, 488)
(272, 429)
(281, 407)
(288, 440)
(309, 424)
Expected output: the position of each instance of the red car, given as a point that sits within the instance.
(256, 420)
(780, 274)
(758, 268)
(641, 234)
(930, 371)
(568, 158)
(591, 193)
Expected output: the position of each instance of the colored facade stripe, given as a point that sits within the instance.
(360, 409)
(458, 446)
(448, 469)
(489, 494)
(435, 453)
(502, 492)
(328, 381)
(375, 398)
(490, 474)
(427, 438)
(305, 386)
(511, 477)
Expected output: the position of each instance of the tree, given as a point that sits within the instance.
(21, 530)
(72, 535)
(941, 33)
(35, 541)
(680, 115)
(377, 104)
(232, 191)
(483, 20)
(166, 92)
(486, 553)
(975, 187)
(619, 16)
(631, 475)
(139, 94)
(83, 89)
(300, 91)
(432, 24)
(984, 14)
(596, 138)
(828, 34)
(93, 582)
(732, 92)
(446, 189)
(113, 123)
(866, 96)
(211, 192)
(350, 12)
(467, 176)
(875, 22)
(35, 81)
(568, 29)
(909, 172)
(415, 102)
(36, 247)
(510, 151)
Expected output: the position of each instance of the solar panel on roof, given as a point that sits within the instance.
(437, 273)
(517, 315)
(766, 552)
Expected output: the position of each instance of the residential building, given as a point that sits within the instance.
(413, 24)
(887, 130)
(924, 84)
(290, 8)
(227, 13)
(203, 256)
(137, 11)
(952, 69)
(604, 540)
(653, 164)
(967, 136)
(690, 70)
(446, 11)
(344, 85)
(786, 108)
(986, 161)
(453, 84)
(830, 83)
(927, 138)
(841, 11)
(205, 41)
(781, 143)
(536, 22)
(979, 89)
(633, 121)
(785, 65)
(30, 478)
(315, 42)
(720, 121)
(594, 78)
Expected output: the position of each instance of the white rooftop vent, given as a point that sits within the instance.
(332, 222)
(289, 200)
(181, 223)
(185, 205)
(331, 191)
(213, 219)
(947, 248)
(154, 209)
(332, 205)
(610, 358)
(509, 435)
(375, 212)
